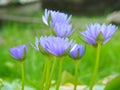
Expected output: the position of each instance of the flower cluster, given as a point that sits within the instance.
(60, 45)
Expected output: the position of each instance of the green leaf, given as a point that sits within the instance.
(68, 78)
(114, 84)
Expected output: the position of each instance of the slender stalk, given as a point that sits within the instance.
(51, 74)
(47, 73)
(1, 84)
(44, 72)
(59, 75)
(96, 66)
(76, 75)
(22, 70)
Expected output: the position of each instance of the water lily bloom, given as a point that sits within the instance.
(77, 51)
(19, 52)
(55, 45)
(59, 22)
(98, 33)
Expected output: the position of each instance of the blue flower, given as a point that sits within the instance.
(77, 51)
(54, 45)
(19, 52)
(59, 22)
(98, 33)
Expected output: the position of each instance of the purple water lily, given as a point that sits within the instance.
(19, 52)
(96, 32)
(54, 45)
(59, 22)
(77, 51)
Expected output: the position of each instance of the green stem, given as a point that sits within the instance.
(96, 66)
(76, 75)
(44, 72)
(22, 70)
(59, 75)
(1, 84)
(51, 74)
(47, 73)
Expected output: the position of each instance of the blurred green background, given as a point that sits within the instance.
(15, 32)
